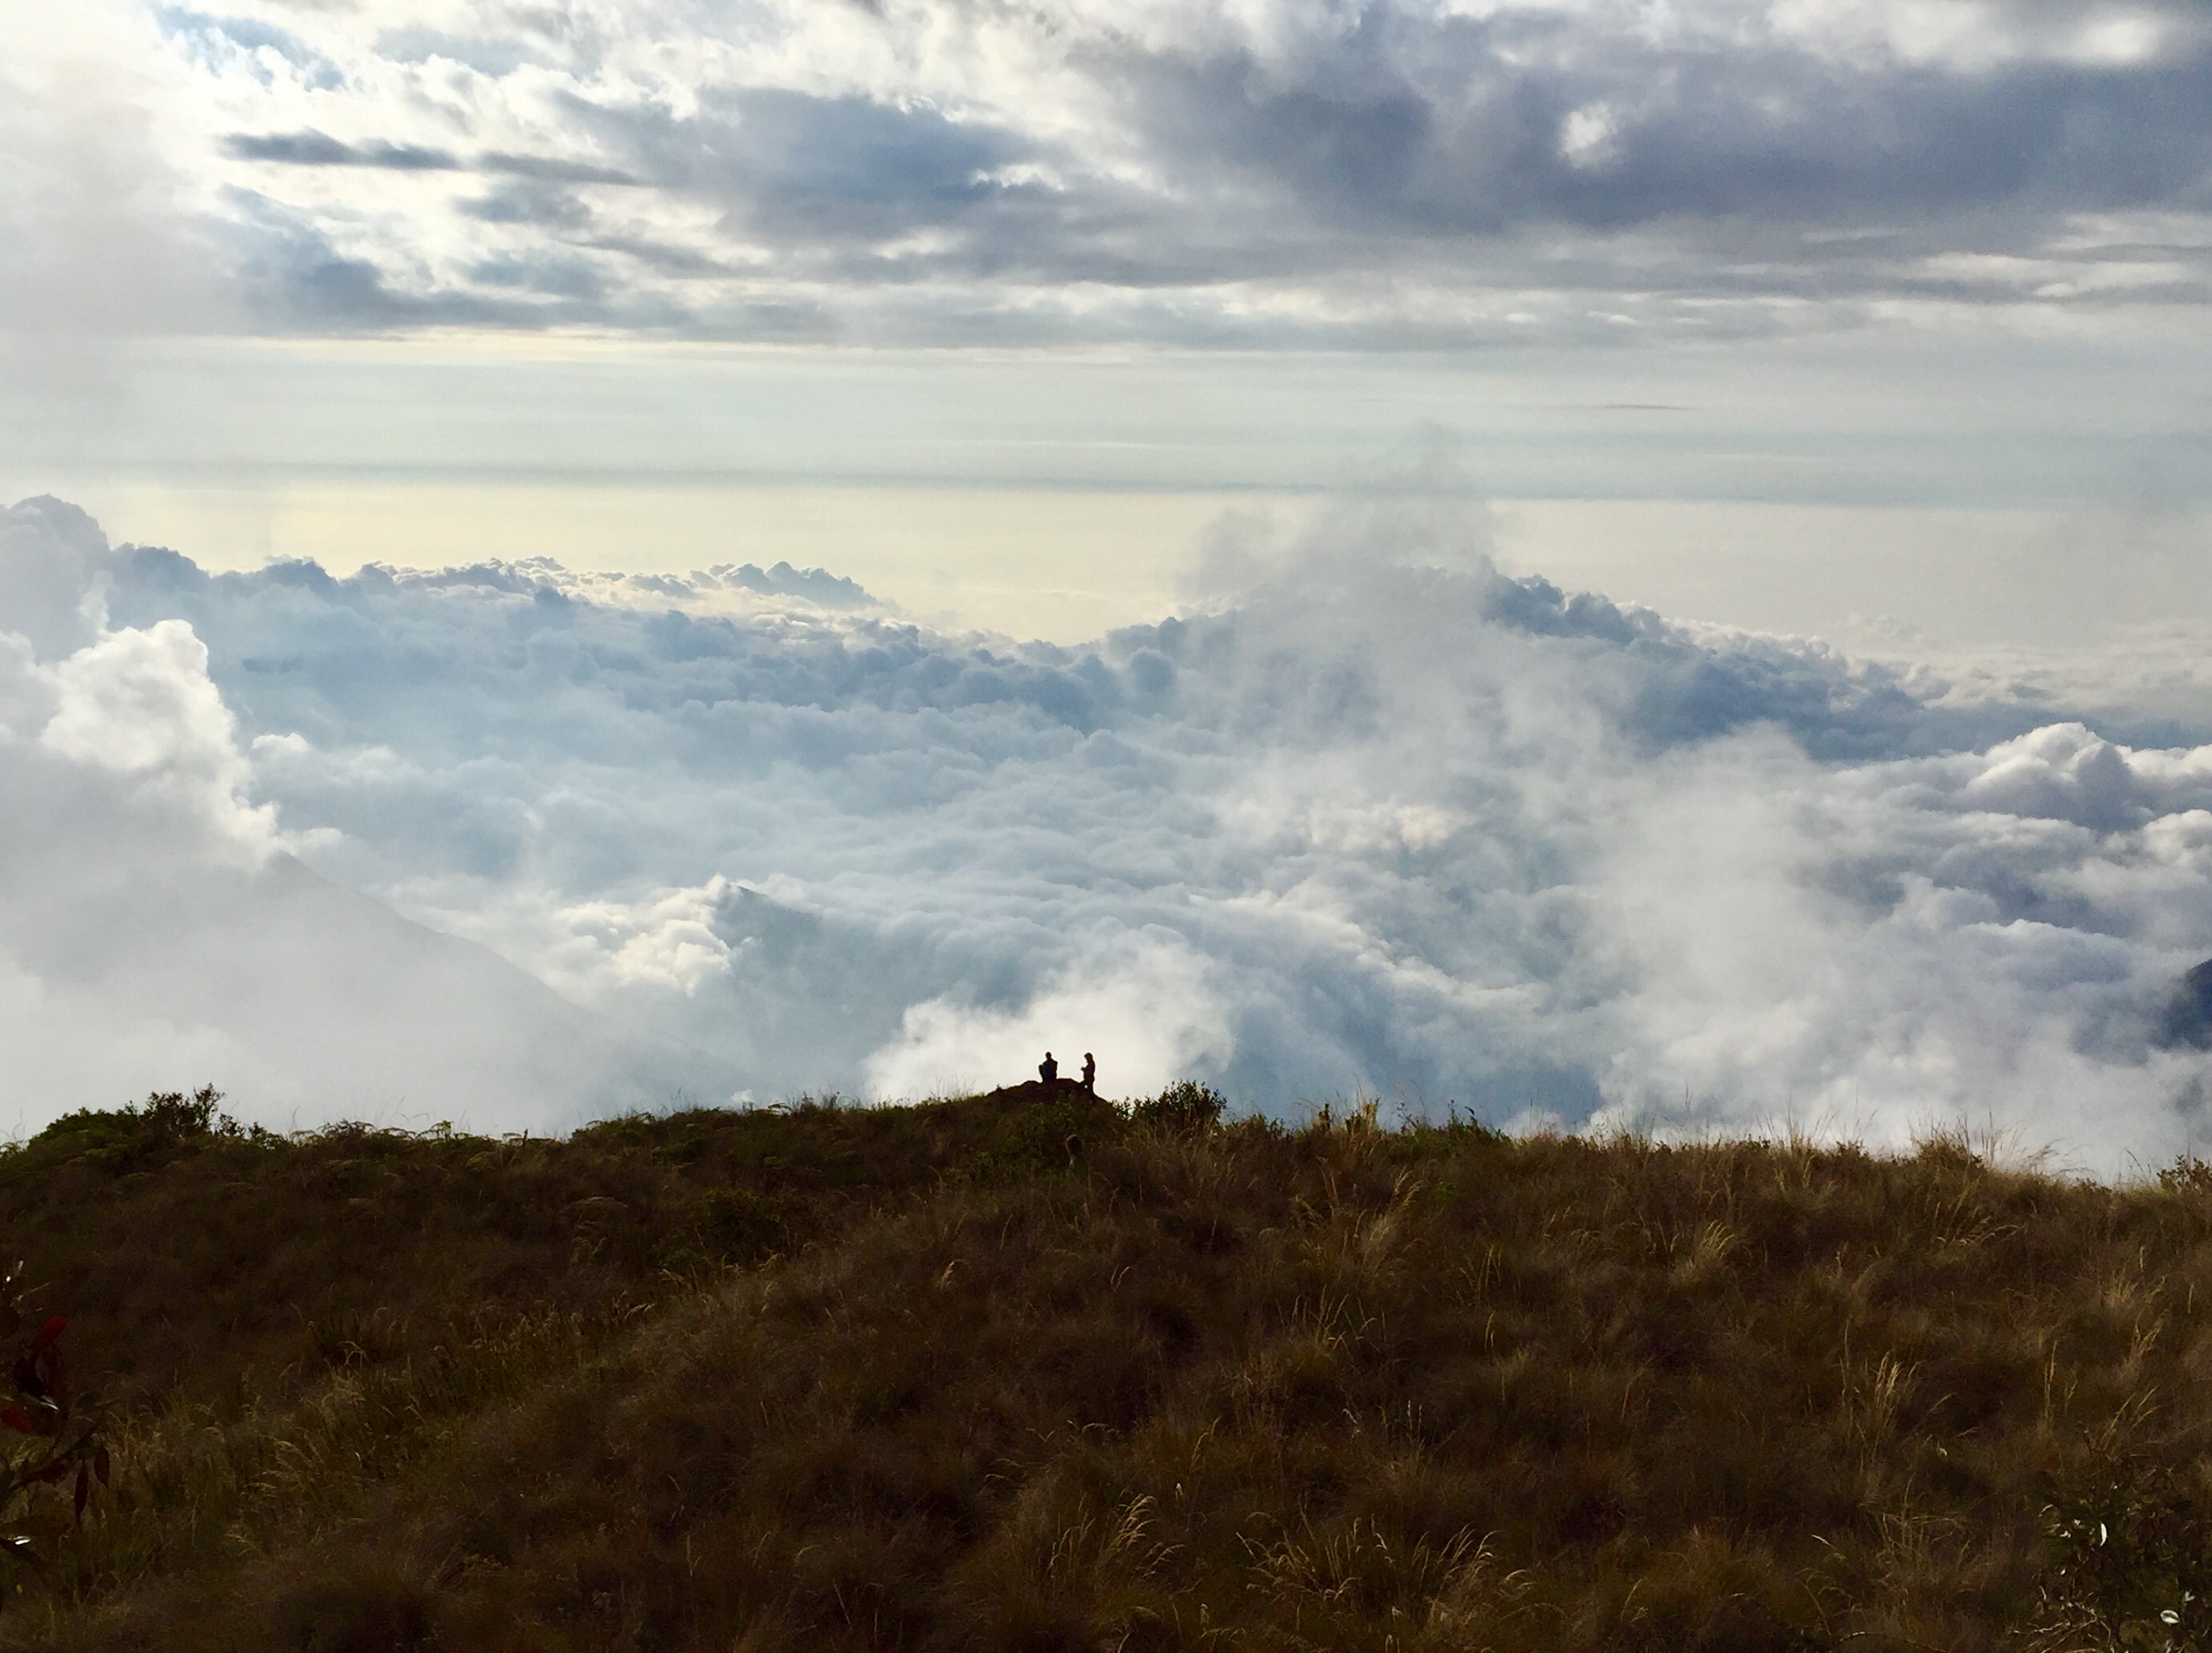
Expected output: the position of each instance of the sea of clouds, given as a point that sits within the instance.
(512, 846)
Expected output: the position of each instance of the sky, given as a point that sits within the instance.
(1600, 563)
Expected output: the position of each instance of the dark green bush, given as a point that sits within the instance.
(1184, 1106)
(141, 1134)
(2132, 1557)
(1050, 1133)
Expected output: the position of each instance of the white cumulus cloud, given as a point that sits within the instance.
(156, 931)
(1371, 818)
(1147, 1001)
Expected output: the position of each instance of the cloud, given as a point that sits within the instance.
(1368, 816)
(667, 940)
(312, 149)
(54, 575)
(102, 239)
(552, 169)
(1848, 952)
(138, 705)
(247, 43)
(157, 929)
(1402, 171)
(1148, 1002)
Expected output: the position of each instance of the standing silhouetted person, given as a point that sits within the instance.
(1090, 1072)
(1047, 1069)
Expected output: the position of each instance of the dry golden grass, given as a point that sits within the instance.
(1021, 1373)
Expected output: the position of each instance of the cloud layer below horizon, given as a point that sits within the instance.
(1371, 817)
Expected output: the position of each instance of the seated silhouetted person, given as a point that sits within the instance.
(1090, 1072)
(1047, 1069)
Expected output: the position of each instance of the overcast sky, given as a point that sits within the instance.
(1289, 172)
(278, 272)
(1633, 563)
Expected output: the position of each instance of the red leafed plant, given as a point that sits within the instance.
(60, 1455)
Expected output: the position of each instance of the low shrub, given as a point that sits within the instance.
(1185, 1107)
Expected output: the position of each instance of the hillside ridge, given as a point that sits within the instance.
(1033, 1370)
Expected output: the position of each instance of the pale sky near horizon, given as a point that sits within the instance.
(2004, 490)
(1791, 315)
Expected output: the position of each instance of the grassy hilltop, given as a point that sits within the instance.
(1024, 1372)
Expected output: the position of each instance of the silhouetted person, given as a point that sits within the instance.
(1090, 1072)
(1047, 1069)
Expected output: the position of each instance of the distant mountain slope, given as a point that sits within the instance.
(310, 1003)
(158, 930)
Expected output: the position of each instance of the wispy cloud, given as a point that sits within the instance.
(312, 149)
(315, 149)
